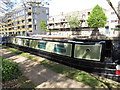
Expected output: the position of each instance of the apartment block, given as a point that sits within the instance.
(24, 19)
(59, 22)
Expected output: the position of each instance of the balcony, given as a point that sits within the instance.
(1, 31)
(18, 25)
(3, 24)
(8, 18)
(29, 10)
(10, 22)
(12, 26)
(18, 30)
(22, 18)
(22, 30)
(10, 31)
(16, 19)
(29, 23)
(58, 26)
(3, 28)
(29, 17)
(22, 24)
(29, 29)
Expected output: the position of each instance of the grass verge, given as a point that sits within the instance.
(27, 55)
(80, 76)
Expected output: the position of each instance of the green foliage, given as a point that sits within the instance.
(10, 70)
(14, 50)
(73, 21)
(43, 25)
(97, 17)
(27, 55)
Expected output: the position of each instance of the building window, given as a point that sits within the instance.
(112, 12)
(35, 27)
(112, 28)
(47, 17)
(88, 13)
(29, 26)
(23, 26)
(18, 27)
(52, 19)
(23, 21)
(35, 16)
(29, 14)
(18, 22)
(35, 21)
(47, 11)
(29, 20)
(112, 21)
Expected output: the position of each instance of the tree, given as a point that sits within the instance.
(97, 18)
(73, 21)
(43, 25)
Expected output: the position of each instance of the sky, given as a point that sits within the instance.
(58, 6)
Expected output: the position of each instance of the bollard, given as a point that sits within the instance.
(118, 70)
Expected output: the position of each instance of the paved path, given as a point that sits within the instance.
(41, 76)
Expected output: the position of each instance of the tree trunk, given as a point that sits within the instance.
(49, 32)
(95, 32)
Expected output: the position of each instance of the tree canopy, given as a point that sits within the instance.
(97, 18)
(73, 21)
(43, 25)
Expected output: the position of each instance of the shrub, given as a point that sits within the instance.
(10, 70)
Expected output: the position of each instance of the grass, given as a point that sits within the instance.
(72, 73)
(27, 55)
(80, 76)
(14, 50)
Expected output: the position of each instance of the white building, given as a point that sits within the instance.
(112, 22)
(59, 22)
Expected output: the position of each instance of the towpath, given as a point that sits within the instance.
(39, 75)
